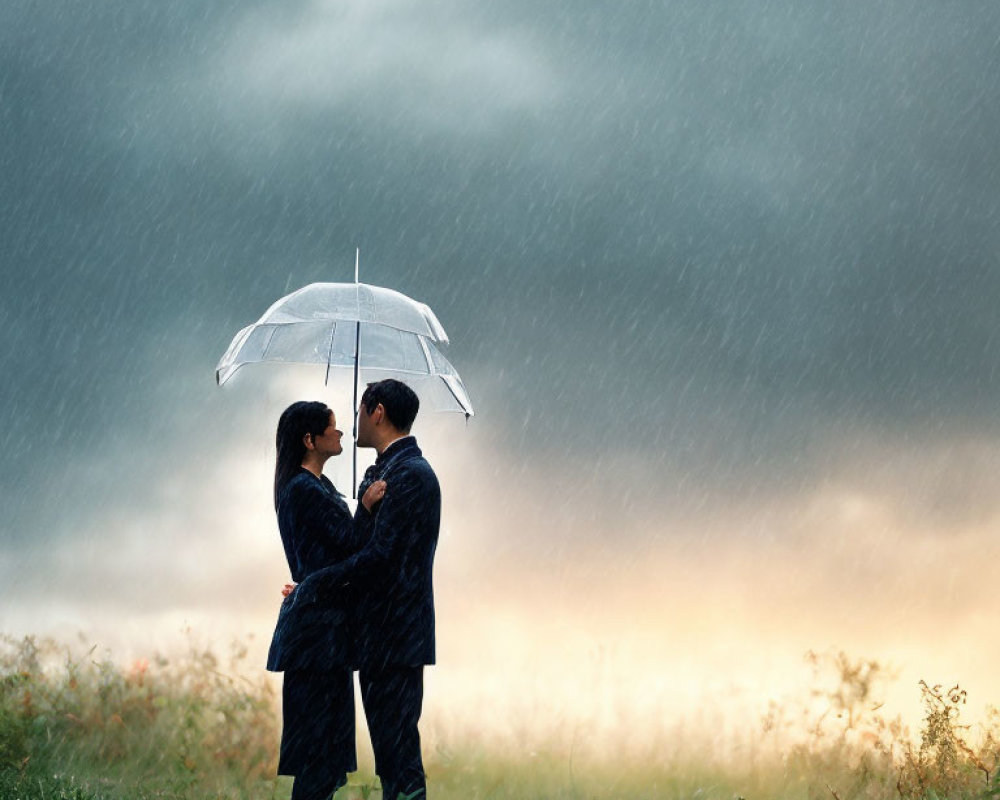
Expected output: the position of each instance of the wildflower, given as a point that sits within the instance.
(137, 670)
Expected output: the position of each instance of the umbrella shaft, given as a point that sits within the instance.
(357, 355)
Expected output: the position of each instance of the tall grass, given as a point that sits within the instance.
(78, 726)
(182, 727)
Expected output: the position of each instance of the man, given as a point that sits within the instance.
(393, 575)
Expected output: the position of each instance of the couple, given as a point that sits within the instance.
(362, 599)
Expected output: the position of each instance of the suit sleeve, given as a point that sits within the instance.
(391, 534)
(326, 530)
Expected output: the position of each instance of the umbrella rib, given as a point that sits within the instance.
(457, 399)
(329, 355)
(427, 355)
(267, 346)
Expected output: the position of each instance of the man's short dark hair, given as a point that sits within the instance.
(399, 401)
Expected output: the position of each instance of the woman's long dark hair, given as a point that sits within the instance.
(296, 421)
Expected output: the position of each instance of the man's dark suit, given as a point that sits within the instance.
(392, 576)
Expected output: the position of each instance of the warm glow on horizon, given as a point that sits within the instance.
(619, 633)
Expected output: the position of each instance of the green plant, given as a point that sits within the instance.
(184, 727)
(76, 725)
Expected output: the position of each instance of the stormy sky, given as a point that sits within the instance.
(721, 279)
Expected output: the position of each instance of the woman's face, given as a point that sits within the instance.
(328, 442)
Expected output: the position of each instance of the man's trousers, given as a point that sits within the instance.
(393, 697)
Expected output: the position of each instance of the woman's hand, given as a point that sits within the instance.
(289, 588)
(373, 494)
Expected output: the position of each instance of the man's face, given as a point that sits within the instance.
(365, 425)
(328, 442)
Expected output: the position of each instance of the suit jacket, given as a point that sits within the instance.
(316, 530)
(392, 573)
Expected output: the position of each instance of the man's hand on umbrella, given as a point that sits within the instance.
(289, 588)
(373, 494)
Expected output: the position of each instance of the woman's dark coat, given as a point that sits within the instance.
(317, 530)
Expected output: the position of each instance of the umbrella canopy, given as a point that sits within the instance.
(379, 331)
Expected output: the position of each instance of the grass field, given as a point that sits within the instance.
(78, 726)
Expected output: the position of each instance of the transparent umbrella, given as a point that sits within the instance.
(372, 330)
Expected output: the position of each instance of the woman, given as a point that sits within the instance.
(313, 645)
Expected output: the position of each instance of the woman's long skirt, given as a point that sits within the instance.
(317, 732)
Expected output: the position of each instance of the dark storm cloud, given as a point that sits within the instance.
(697, 231)
(792, 206)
